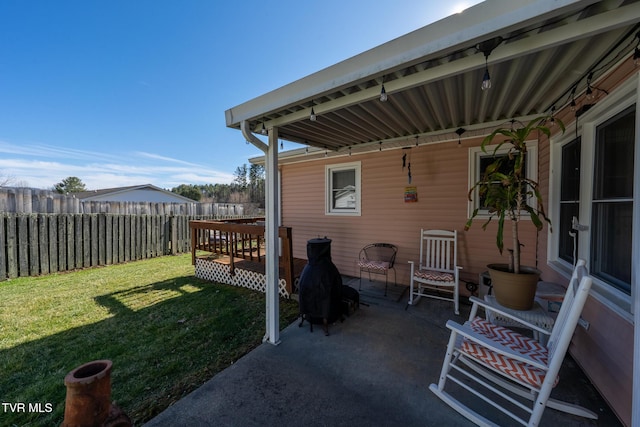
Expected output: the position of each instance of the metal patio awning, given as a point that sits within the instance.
(547, 55)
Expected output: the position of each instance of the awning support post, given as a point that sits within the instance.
(272, 224)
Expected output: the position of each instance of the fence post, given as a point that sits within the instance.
(86, 240)
(120, 238)
(174, 239)
(128, 219)
(3, 244)
(94, 239)
(71, 241)
(12, 245)
(53, 242)
(43, 243)
(23, 245)
(61, 221)
(102, 239)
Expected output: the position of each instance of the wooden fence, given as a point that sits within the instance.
(35, 244)
(32, 200)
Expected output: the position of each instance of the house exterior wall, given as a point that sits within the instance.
(440, 173)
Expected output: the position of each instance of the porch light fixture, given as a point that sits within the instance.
(486, 80)
(552, 121)
(486, 47)
(263, 130)
(589, 92)
(383, 94)
(460, 131)
(572, 105)
(313, 116)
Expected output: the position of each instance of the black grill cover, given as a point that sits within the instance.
(320, 284)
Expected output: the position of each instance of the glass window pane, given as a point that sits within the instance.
(612, 209)
(344, 178)
(505, 166)
(614, 157)
(611, 243)
(344, 189)
(569, 200)
(570, 173)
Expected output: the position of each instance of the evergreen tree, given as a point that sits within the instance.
(72, 184)
(256, 184)
(188, 190)
(241, 177)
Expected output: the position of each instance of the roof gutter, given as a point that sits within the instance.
(250, 137)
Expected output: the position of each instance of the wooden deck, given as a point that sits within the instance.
(259, 267)
(240, 245)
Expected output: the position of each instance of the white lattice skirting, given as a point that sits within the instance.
(221, 273)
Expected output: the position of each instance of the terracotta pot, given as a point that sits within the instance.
(516, 291)
(88, 394)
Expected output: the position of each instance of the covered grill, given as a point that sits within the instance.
(320, 286)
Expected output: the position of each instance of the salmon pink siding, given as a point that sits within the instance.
(440, 173)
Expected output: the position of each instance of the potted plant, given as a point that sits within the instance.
(508, 194)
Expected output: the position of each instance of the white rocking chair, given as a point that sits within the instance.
(438, 269)
(511, 367)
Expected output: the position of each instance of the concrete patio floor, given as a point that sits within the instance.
(374, 369)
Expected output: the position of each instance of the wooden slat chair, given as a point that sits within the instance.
(378, 258)
(481, 356)
(438, 269)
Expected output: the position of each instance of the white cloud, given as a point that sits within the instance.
(99, 170)
(164, 158)
(48, 151)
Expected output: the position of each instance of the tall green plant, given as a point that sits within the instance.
(505, 188)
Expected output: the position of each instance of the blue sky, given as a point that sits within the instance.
(129, 92)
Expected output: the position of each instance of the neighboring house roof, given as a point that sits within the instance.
(547, 50)
(135, 193)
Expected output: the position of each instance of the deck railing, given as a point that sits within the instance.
(241, 240)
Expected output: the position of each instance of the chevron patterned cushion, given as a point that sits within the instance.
(435, 276)
(516, 342)
(367, 264)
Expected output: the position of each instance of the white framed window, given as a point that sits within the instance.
(478, 162)
(342, 196)
(594, 191)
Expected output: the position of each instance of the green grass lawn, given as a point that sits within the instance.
(165, 331)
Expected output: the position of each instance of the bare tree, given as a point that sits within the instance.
(6, 180)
